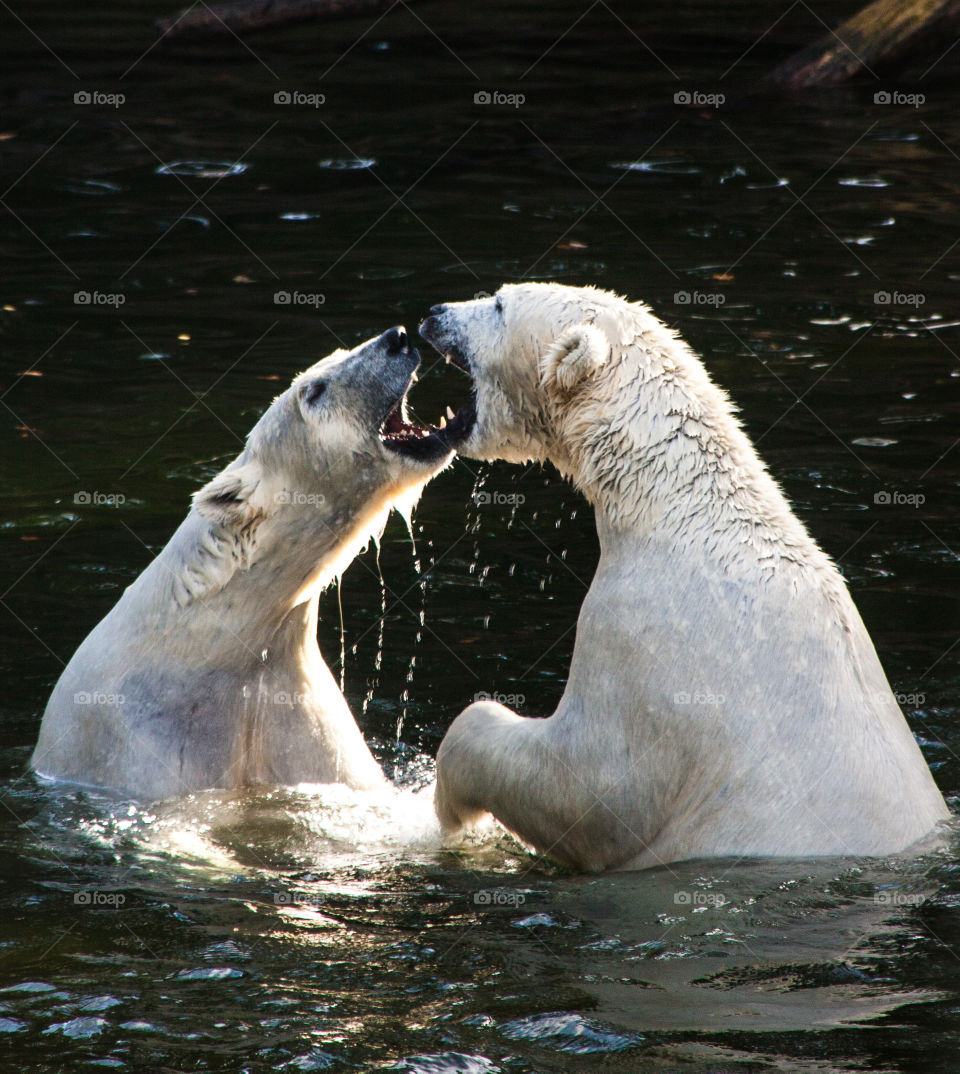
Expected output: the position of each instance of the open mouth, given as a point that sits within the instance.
(426, 443)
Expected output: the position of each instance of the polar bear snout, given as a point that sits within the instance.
(444, 336)
(398, 363)
(361, 387)
(430, 327)
(436, 330)
(395, 362)
(396, 340)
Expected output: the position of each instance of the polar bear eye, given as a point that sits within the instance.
(498, 306)
(312, 392)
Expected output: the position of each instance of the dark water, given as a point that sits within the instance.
(312, 931)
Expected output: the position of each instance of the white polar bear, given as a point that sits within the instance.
(207, 673)
(724, 697)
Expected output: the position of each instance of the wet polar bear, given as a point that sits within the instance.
(724, 697)
(207, 673)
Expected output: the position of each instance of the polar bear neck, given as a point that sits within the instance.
(209, 574)
(668, 461)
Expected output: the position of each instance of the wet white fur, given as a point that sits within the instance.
(724, 697)
(206, 673)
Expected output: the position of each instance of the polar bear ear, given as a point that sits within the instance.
(577, 354)
(227, 499)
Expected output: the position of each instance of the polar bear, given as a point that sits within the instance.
(724, 697)
(206, 673)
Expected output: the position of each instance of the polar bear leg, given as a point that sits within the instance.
(567, 799)
(463, 792)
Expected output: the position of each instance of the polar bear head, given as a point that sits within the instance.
(319, 472)
(528, 348)
(613, 397)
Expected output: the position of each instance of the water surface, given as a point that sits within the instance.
(307, 929)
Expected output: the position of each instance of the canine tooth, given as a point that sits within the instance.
(447, 358)
(442, 423)
(450, 413)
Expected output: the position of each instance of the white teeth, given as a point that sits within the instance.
(450, 413)
(413, 378)
(447, 358)
(442, 424)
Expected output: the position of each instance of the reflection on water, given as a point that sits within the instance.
(312, 928)
(322, 927)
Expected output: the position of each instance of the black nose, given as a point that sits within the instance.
(396, 339)
(435, 311)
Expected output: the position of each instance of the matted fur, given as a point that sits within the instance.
(724, 697)
(206, 673)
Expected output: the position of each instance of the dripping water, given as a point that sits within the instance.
(473, 516)
(421, 620)
(374, 681)
(343, 637)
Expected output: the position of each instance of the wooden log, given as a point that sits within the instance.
(877, 36)
(245, 16)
